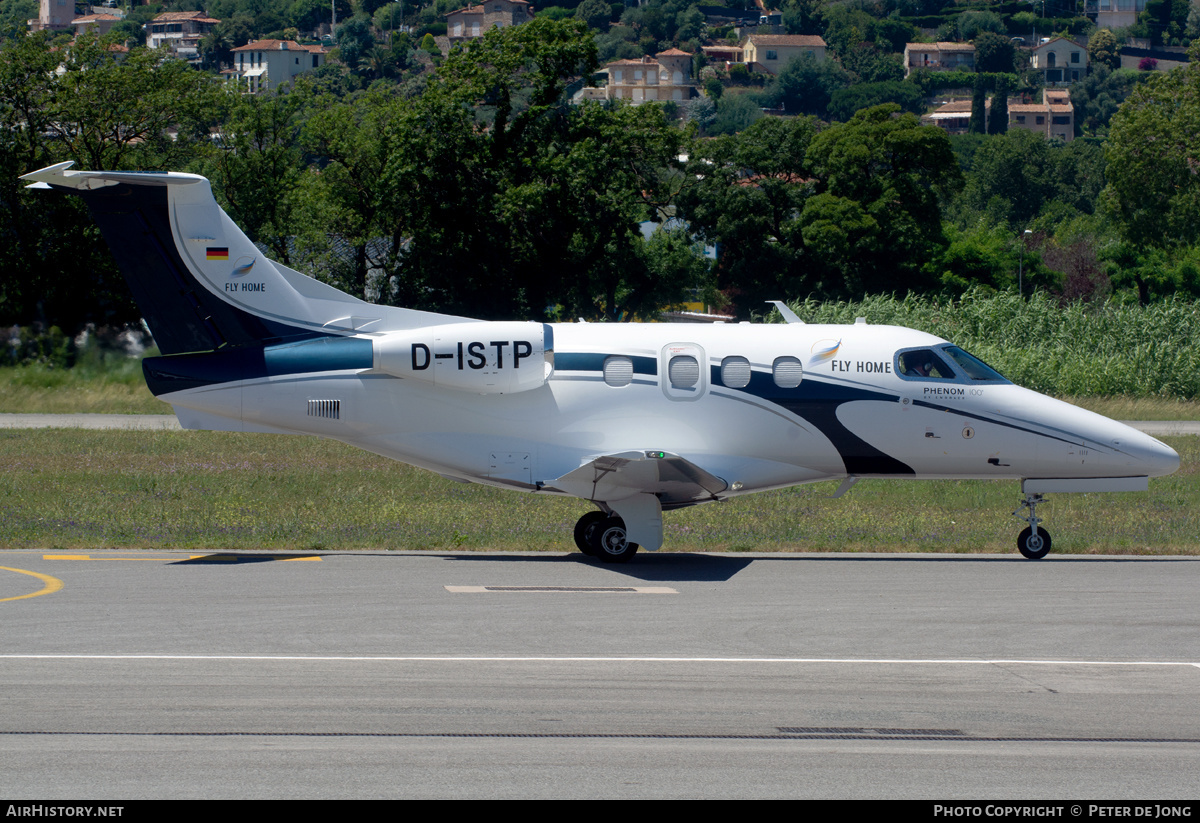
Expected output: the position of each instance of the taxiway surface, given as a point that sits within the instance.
(159, 674)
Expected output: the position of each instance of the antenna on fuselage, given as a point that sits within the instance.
(789, 316)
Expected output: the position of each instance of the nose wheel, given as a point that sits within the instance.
(1033, 543)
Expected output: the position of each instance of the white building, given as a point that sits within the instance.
(180, 31)
(265, 64)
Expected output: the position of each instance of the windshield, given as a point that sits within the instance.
(975, 368)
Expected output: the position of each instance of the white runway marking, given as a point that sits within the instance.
(611, 659)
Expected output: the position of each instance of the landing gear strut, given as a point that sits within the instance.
(602, 535)
(1033, 542)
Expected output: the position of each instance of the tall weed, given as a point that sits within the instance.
(1087, 349)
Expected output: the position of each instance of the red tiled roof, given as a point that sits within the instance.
(787, 39)
(174, 16)
(274, 45)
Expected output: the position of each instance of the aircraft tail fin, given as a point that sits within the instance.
(199, 281)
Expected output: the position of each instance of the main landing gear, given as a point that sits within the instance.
(1033, 542)
(602, 535)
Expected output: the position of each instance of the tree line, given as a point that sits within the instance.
(483, 191)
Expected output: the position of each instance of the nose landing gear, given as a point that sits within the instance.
(1033, 543)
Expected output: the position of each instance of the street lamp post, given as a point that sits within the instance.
(1021, 265)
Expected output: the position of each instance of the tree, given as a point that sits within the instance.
(871, 65)
(355, 41)
(491, 196)
(881, 167)
(596, 13)
(838, 214)
(978, 122)
(745, 194)
(734, 113)
(81, 103)
(806, 86)
(993, 52)
(257, 174)
(973, 23)
(998, 121)
(803, 16)
(1017, 177)
(1097, 97)
(1153, 152)
(119, 114)
(1103, 50)
(847, 101)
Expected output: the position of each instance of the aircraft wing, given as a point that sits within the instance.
(674, 480)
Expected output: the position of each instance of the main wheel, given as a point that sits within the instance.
(613, 543)
(1034, 548)
(586, 532)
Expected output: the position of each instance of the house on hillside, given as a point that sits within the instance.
(265, 64)
(943, 56)
(94, 23)
(180, 31)
(772, 52)
(1053, 118)
(665, 76)
(1113, 14)
(53, 15)
(1059, 60)
(473, 21)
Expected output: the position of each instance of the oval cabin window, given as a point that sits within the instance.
(684, 371)
(735, 372)
(618, 370)
(788, 372)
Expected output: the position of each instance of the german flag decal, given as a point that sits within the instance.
(217, 253)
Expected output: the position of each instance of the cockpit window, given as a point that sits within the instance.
(923, 363)
(975, 368)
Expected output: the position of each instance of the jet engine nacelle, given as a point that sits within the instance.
(487, 358)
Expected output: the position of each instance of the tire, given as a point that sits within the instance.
(586, 537)
(1034, 548)
(612, 545)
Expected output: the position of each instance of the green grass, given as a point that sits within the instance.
(117, 388)
(65, 489)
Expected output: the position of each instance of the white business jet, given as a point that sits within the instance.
(638, 418)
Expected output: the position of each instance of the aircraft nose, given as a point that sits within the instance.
(1148, 454)
(1160, 459)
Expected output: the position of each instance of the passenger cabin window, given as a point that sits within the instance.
(684, 371)
(618, 370)
(923, 363)
(735, 372)
(787, 372)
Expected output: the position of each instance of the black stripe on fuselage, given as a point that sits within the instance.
(180, 372)
(814, 401)
(182, 315)
(817, 402)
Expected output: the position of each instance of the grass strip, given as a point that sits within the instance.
(69, 489)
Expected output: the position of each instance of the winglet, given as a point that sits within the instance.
(42, 177)
(788, 315)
